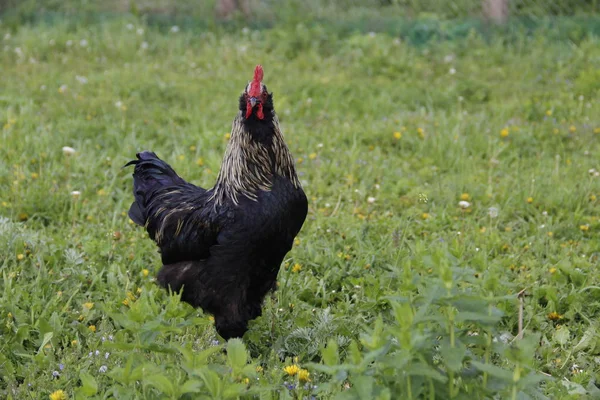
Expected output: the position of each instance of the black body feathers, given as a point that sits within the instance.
(222, 247)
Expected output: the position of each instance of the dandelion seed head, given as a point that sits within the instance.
(464, 204)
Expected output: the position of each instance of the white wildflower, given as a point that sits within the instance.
(452, 71)
(68, 151)
(464, 204)
(52, 42)
(174, 29)
(75, 194)
(43, 87)
(118, 104)
(371, 200)
(140, 31)
(83, 43)
(144, 45)
(449, 58)
(129, 27)
(69, 43)
(81, 79)
(103, 369)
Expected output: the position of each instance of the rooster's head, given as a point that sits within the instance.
(256, 97)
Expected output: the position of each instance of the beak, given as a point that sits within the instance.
(253, 101)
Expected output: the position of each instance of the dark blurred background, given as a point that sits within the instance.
(417, 20)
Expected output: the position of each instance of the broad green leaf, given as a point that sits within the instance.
(587, 340)
(330, 353)
(561, 335)
(234, 390)
(354, 354)
(363, 386)
(47, 338)
(89, 386)
(453, 356)
(211, 381)
(420, 369)
(190, 386)
(494, 371)
(236, 354)
(161, 383)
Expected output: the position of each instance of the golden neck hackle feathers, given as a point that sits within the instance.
(249, 166)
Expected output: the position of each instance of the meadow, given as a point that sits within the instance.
(453, 196)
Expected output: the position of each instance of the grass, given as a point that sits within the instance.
(392, 290)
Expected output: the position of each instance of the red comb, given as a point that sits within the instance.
(255, 85)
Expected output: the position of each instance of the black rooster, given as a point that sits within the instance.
(222, 247)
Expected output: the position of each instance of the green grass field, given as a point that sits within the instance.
(393, 289)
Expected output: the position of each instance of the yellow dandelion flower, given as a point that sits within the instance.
(504, 132)
(425, 216)
(297, 268)
(312, 156)
(303, 375)
(421, 132)
(101, 192)
(9, 315)
(550, 234)
(297, 242)
(34, 175)
(73, 342)
(181, 157)
(192, 148)
(482, 229)
(584, 228)
(58, 395)
(145, 272)
(125, 302)
(259, 369)
(549, 113)
(572, 128)
(138, 290)
(130, 296)
(291, 370)
(299, 160)
(92, 328)
(88, 305)
(246, 381)
(397, 135)
(211, 318)
(200, 162)
(20, 257)
(554, 316)
(530, 200)
(592, 197)
(552, 270)
(597, 130)
(227, 136)
(555, 131)
(465, 197)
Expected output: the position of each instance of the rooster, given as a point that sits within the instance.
(221, 248)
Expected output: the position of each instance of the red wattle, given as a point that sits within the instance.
(259, 112)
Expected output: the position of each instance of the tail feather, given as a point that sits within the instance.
(150, 175)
